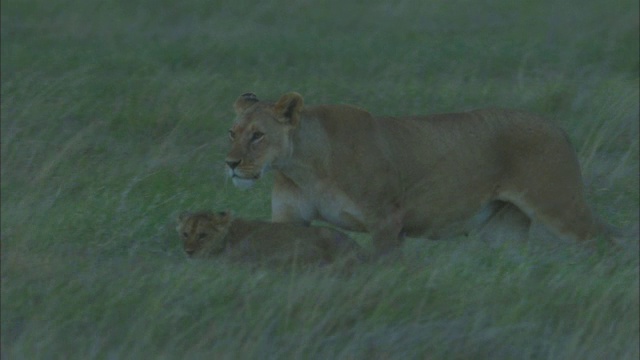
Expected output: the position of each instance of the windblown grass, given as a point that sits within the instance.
(113, 121)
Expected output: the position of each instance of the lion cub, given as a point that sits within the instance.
(208, 234)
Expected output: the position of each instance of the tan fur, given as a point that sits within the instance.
(206, 234)
(434, 176)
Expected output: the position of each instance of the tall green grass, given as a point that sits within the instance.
(114, 118)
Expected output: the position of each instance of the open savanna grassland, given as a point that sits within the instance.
(114, 119)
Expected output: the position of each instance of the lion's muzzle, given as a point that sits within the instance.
(242, 183)
(232, 164)
(240, 177)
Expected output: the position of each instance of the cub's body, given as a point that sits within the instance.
(208, 234)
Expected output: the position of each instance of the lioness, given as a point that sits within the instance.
(434, 176)
(208, 233)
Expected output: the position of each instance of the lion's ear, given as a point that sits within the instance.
(244, 101)
(183, 215)
(288, 108)
(225, 216)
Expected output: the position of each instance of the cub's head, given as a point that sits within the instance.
(260, 136)
(203, 233)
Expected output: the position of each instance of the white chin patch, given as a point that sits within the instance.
(243, 183)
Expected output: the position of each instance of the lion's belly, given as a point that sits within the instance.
(449, 224)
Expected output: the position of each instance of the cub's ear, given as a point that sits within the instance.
(288, 108)
(183, 215)
(225, 216)
(244, 101)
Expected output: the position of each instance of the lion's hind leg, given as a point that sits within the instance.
(566, 215)
(543, 179)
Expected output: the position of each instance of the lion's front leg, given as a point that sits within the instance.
(288, 203)
(286, 212)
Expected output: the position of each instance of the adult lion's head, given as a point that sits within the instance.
(260, 135)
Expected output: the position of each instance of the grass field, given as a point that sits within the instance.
(114, 119)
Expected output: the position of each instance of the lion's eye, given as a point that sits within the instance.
(257, 136)
(202, 236)
(232, 134)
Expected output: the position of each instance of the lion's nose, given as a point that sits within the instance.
(232, 164)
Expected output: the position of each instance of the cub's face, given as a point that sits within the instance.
(203, 233)
(260, 136)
